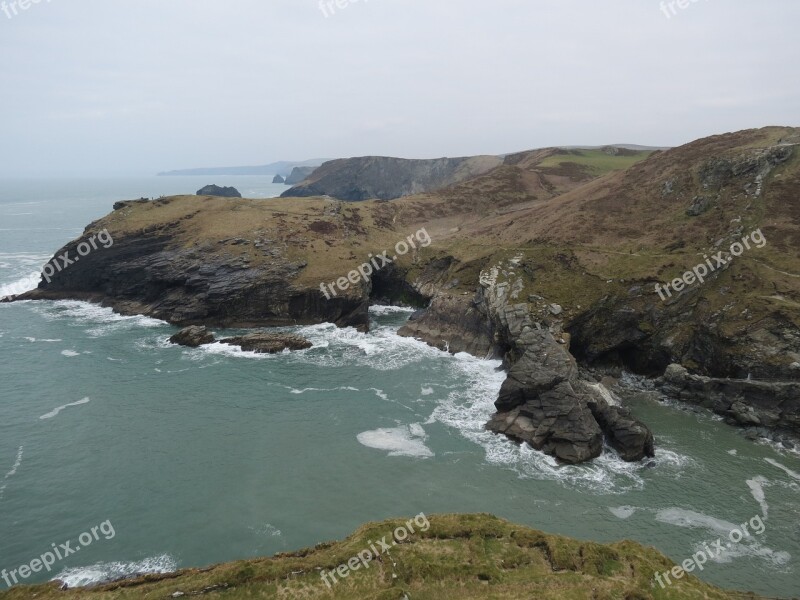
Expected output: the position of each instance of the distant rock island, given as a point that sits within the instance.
(278, 179)
(222, 192)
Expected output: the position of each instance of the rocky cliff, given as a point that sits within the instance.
(386, 178)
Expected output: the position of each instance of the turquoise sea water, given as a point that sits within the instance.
(213, 454)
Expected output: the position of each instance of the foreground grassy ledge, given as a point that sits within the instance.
(459, 557)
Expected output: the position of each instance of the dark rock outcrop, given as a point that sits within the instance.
(269, 343)
(386, 178)
(543, 401)
(193, 336)
(222, 192)
(743, 402)
(278, 179)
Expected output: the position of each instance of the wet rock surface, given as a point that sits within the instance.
(268, 343)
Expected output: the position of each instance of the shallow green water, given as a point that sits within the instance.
(207, 455)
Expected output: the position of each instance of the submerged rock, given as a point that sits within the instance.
(193, 336)
(269, 343)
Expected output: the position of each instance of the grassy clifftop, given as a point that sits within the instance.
(458, 557)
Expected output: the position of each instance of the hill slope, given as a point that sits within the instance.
(458, 557)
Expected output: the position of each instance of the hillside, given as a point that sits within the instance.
(457, 557)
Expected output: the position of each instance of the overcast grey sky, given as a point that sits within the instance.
(99, 87)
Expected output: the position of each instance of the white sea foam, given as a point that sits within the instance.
(426, 391)
(12, 472)
(304, 390)
(622, 512)
(112, 571)
(788, 471)
(33, 340)
(55, 411)
(756, 485)
(70, 353)
(748, 546)
(406, 440)
(732, 452)
(22, 285)
(390, 310)
(101, 320)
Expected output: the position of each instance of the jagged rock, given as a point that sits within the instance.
(555, 310)
(278, 179)
(746, 402)
(193, 336)
(269, 343)
(628, 436)
(700, 205)
(222, 192)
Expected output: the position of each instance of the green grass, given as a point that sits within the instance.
(596, 162)
(460, 557)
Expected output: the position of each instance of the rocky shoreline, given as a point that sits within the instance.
(554, 309)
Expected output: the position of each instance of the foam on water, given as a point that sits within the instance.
(112, 571)
(70, 353)
(622, 512)
(101, 320)
(55, 411)
(22, 285)
(747, 547)
(380, 310)
(784, 468)
(756, 485)
(406, 440)
(12, 472)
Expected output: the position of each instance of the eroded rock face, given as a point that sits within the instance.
(269, 343)
(193, 336)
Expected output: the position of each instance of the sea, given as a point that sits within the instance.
(193, 457)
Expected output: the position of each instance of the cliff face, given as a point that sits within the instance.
(549, 261)
(385, 178)
(299, 174)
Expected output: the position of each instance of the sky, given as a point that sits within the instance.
(133, 87)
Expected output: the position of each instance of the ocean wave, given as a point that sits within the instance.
(101, 320)
(22, 285)
(111, 571)
(55, 411)
(379, 310)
